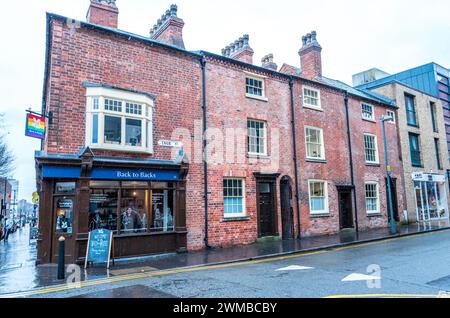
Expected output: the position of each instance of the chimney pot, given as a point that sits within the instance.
(169, 28)
(311, 56)
(240, 50)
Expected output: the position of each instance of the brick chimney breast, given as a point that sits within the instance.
(240, 50)
(267, 62)
(311, 56)
(169, 28)
(103, 12)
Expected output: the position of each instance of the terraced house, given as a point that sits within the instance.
(178, 150)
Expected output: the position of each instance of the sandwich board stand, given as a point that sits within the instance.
(100, 247)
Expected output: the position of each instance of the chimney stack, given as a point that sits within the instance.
(267, 62)
(169, 28)
(103, 12)
(310, 56)
(240, 50)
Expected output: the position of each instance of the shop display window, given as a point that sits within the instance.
(132, 207)
(64, 215)
(103, 209)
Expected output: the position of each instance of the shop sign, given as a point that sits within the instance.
(35, 126)
(426, 177)
(170, 143)
(134, 174)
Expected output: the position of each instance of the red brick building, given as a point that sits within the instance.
(274, 143)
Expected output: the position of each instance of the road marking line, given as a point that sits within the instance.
(360, 277)
(65, 287)
(294, 268)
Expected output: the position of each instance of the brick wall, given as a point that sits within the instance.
(99, 57)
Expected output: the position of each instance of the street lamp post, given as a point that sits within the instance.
(392, 224)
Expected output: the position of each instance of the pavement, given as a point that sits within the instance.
(174, 274)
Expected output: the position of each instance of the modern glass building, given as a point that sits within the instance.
(430, 78)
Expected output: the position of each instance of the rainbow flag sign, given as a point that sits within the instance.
(35, 126)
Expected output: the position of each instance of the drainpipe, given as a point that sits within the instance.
(205, 163)
(352, 177)
(297, 196)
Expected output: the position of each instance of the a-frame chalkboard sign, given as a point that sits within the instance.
(99, 248)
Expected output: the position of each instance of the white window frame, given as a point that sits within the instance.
(322, 145)
(260, 78)
(325, 189)
(391, 113)
(96, 96)
(307, 105)
(372, 117)
(377, 158)
(244, 210)
(264, 140)
(377, 186)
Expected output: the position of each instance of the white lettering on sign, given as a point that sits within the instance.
(135, 175)
(420, 176)
(170, 143)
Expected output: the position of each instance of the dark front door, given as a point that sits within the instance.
(63, 217)
(345, 209)
(394, 199)
(266, 208)
(287, 213)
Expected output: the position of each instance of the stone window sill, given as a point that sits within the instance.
(320, 215)
(260, 98)
(236, 219)
(316, 160)
(255, 156)
(373, 164)
(374, 215)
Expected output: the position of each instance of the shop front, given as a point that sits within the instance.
(430, 196)
(141, 201)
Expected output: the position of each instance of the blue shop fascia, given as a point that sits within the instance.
(142, 201)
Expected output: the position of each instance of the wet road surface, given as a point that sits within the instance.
(410, 266)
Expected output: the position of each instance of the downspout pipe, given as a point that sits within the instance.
(205, 163)
(294, 143)
(350, 153)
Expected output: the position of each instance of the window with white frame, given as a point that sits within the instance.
(391, 114)
(371, 148)
(119, 120)
(233, 197)
(372, 198)
(254, 86)
(367, 112)
(318, 197)
(314, 143)
(257, 137)
(311, 97)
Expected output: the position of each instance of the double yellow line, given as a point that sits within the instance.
(67, 287)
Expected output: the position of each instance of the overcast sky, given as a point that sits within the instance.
(356, 35)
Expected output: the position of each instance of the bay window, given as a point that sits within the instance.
(119, 120)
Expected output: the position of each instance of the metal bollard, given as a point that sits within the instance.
(61, 263)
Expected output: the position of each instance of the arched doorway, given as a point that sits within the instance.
(287, 211)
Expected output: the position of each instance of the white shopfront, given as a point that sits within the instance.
(431, 196)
